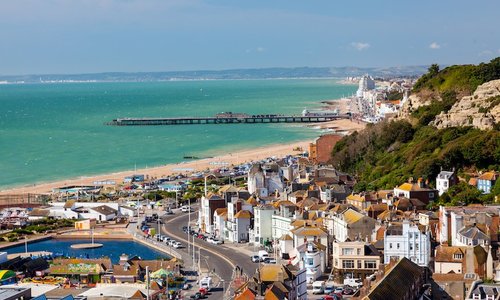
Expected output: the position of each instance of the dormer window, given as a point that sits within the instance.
(458, 256)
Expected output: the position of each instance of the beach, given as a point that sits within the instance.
(179, 168)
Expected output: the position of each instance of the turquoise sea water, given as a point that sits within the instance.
(55, 131)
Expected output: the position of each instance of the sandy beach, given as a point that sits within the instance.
(183, 167)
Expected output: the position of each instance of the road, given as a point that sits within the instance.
(218, 258)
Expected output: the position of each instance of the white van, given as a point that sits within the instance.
(353, 282)
(318, 287)
(263, 255)
(206, 283)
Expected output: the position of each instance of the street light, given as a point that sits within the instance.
(223, 289)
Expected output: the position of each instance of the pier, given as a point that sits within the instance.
(227, 118)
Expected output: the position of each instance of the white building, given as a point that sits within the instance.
(444, 180)
(263, 224)
(220, 217)
(282, 220)
(366, 83)
(264, 180)
(408, 241)
(313, 260)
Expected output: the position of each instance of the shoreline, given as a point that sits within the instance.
(232, 158)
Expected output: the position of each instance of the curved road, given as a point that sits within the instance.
(220, 258)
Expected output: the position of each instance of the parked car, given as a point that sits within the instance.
(338, 289)
(217, 242)
(348, 291)
(269, 260)
(177, 245)
(255, 258)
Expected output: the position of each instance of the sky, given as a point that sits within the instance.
(85, 36)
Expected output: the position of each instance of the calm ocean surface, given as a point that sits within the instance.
(55, 131)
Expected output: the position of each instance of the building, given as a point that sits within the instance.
(486, 181)
(243, 221)
(418, 190)
(312, 259)
(220, 217)
(445, 180)
(405, 281)
(452, 219)
(461, 260)
(321, 150)
(350, 225)
(208, 205)
(354, 259)
(264, 180)
(409, 241)
(263, 223)
(366, 83)
(283, 218)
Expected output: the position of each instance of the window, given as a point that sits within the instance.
(411, 246)
(347, 251)
(458, 256)
(348, 264)
(397, 245)
(359, 251)
(336, 262)
(390, 245)
(370, 264)
(416, 246)
(310, 262)
(359, 264)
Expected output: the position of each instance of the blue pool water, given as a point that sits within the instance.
(112, 249)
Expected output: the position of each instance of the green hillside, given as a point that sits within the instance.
(387, 154)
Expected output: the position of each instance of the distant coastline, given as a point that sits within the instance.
(231, 74)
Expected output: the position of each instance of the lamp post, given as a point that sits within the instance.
(159, 232)
(223, 289)
(147, 282)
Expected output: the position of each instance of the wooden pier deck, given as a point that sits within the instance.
(259, 119)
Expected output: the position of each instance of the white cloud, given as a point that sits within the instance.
(360, 46)
(258, 49)
(434, 45)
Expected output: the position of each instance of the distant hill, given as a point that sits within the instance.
(265, 73)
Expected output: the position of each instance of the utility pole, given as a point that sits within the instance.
(147, 282)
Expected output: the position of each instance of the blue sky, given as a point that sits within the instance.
(84, 36)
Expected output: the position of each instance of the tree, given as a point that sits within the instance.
(433, 70)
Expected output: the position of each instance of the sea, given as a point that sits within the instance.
(53, 131)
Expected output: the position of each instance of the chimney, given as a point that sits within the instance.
(420, 182)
